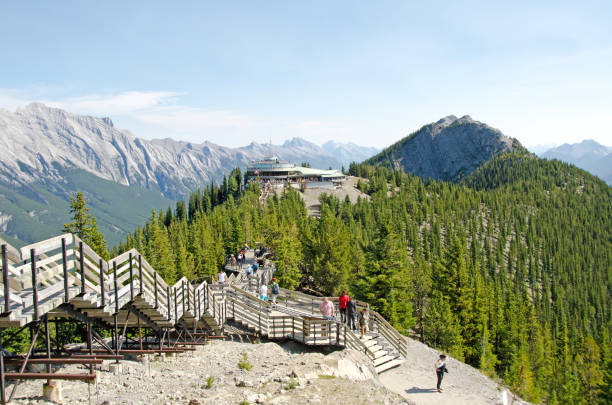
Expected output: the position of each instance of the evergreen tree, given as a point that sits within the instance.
(84, 225)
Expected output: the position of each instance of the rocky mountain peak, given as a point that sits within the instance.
(446, 151)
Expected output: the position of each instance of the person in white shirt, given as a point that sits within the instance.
(263, 292)
(221, 277)
(440, 370)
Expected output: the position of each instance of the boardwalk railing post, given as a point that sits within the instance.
(168, 302)
(65, 269)
(7, 291)
(131, 280)
(175, 307)
(116, 289)
(34, 283)
(155, 287)
(183, 296)
(140, 275)
(102, 288)
(82, 265)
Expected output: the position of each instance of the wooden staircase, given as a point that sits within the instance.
(63, 277)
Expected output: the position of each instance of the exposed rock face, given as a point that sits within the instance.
(37, 137)
(447, 150)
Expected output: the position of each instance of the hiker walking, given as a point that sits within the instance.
(263, 292)
(275, 290)
(440, 370)
(342, 300)
(221, 277)
(327, 309)
(363, 320)
(351, 311)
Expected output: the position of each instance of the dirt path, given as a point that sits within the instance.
(415, 380)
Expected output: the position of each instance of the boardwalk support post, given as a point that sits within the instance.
(131, 280)
(5, 280)
(34, 284)
(65, 270)
(102, 292)
(82, 267)
(155, 288)
(140, 275)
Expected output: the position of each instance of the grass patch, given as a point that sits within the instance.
(210, 381)
(292, 384)
(326, 376)
(243, 363)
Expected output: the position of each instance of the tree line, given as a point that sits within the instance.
(508, 271)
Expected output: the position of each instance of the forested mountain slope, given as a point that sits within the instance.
(508, 271)
(449, 149)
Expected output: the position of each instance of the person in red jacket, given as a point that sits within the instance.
(343, 299)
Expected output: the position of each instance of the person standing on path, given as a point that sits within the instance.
(440, 370)
(263, 292)
(342, 300)
(351, 311)
(221, 276)
(327, 309)
(275, 290)
(363, 320)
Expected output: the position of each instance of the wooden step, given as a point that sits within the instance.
(388, 365)
(380, 353)
(383, 359)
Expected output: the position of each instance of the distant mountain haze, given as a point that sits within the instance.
(349, 152)
(588, 155)
(449, 149)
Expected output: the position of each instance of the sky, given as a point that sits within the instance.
(356, 71)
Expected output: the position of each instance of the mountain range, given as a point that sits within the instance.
(588, 155)
(449, 149)
(49, 154)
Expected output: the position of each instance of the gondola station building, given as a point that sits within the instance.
(272, 170)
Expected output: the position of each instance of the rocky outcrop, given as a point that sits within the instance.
(449, 149)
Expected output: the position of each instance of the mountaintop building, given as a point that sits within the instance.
(273, 170)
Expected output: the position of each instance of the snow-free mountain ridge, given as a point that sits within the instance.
(49, 154)
(448, 149)
(36, 136)
(588, 155)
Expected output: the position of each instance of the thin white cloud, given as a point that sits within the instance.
(185, 119)
(124, 103)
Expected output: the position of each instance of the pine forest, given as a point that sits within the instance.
(509, 271)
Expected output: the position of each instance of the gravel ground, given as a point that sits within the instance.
(415, 380)
(280, 374)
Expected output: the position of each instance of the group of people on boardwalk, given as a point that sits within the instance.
(263, 291)
(349, 314)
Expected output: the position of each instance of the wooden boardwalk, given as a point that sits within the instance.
(62, 278)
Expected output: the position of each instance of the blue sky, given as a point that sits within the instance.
(359, 71)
